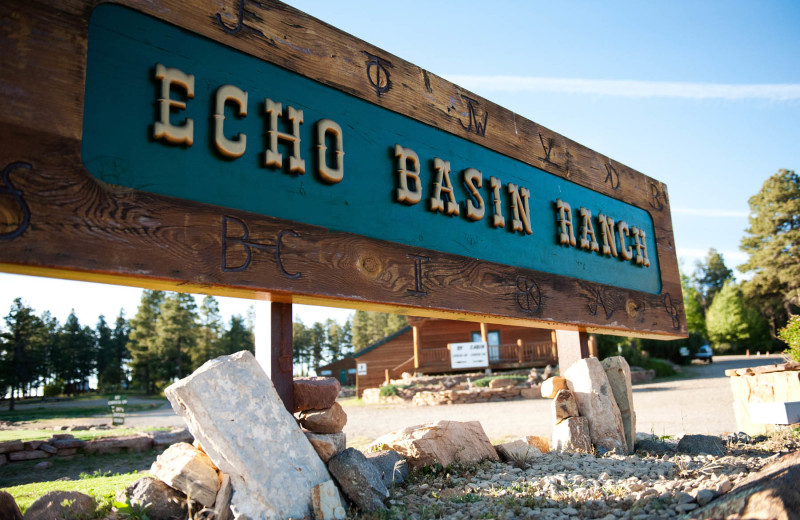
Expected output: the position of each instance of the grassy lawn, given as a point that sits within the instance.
(84, 435)
(61, 412)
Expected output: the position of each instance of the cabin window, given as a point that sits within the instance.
(493, 339)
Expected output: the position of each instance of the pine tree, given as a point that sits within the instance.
(22, 350)
(176, 335)
(236, 337)
(209, 333)
(142, 339)
(113, 352)
(301, 345)
(711, 275)
(359, 330)
(76, 354)
(772, 242)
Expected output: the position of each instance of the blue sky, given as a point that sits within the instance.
(703, 96)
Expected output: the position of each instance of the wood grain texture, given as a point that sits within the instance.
(83, 229)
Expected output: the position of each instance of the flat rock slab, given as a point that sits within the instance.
(329, 420)
(772, 492)
(701, 445)
(118, 444)
(315, 393)
(504, 382)
(9, 446)
(619, 376)
(359, 479)
(392, 466)
(232, 409)
(327, 444)
(444, 442)
(17, 456)
(190, 471)
(518, 451)
(589, 383)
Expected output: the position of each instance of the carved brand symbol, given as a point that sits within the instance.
(7, 187)
(419, 289)
(672, 310)
(657, 193)
(529, 296)
(239, 20)
(548, 148)
(600, 301)
(244, 241)
(480, 128)
(612, 177)
(378, 73)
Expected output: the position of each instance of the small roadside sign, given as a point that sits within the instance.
(118, 405)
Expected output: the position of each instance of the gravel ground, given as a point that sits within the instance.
(658, 484)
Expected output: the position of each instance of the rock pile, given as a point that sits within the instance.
(320, 415)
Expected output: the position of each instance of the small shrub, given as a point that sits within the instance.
(791, 335)
(662, 367)
(54, 388)
(388, 390)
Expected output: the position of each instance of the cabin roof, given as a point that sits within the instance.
(383, 341)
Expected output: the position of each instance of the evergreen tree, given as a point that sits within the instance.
(369, 327)
(394, 322)
(142, 340)
(319, 344)
(22, 350)
(359, 330)
(114, 349)
(176, 335)
(731, 321)
(103, 339)
(51, 328)
(301, 345)
(76, 354)
(711, 275)
(772, 242)
(237, 337)
(695, 314)
(208, 338)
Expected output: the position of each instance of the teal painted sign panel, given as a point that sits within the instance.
(124, 83)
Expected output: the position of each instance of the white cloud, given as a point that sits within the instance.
(732, 257)
(630, 88)
(709, 212)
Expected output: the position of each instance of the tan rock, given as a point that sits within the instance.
(502, 383)
(517, 451)
(619, 376)
(315, 393)
(329, 420)
(222, 502)
(596, 403)
(572, 435)
(327, 502)
(540, 443)
(327, 444)
(564, 406)
(118, 444)
(9, 446)
(189, 470)
(231, 407)
(16, 456)
(534, 392)
(551, 386)
(444, 442)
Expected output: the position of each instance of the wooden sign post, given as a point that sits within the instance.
(250, 150)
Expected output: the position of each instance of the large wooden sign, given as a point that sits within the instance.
(248, 149)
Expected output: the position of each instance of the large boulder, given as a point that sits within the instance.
(391, 465)
(329, 420)
(444, 442)
(701, 445)
(163, 502)
(359, 479)
(572, 435)
(9, 510)
(232, 409)
(772, 492)
(619, 376)
(58, 505)
(190, 471)
(592, 390)
(315, 393)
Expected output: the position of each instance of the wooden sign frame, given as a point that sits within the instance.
(58, 220)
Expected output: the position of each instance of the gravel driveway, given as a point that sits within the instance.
(700, 403)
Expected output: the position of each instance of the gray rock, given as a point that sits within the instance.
(57, 505)
(654, 446)
(165, 503)
(619, 376)
(233, 411)
(327, 444)
(704, 496)
(359, 480)
(572, 435)
(701, 445)
(392, 466)
(9, 510)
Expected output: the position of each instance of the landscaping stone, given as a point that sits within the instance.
(534, 392)
(3, 459)
(551, 386)
(359, 480)
(502, 383)
(392, 466)
(701, 445)
(17, 456)
(572, 435)
(232, 409)
(69, 442)
(9, 510)
(327, 444)
(165, 502)
(327, 503)
(518, 451)
(540, 443)
(9, 446)
(190, 471)
(770, 493)
(118, 444)
(48, 448)
(619, 376)
(589, 384)
(329, 420)
(43, 465)
(65, 452)
(315, 393)
(163, 439)
(52, 506)
(444, 442)
(222, 503)
(564, 406)
(32, 445)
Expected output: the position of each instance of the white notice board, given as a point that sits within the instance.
(474, 354)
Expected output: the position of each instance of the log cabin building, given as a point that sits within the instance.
(421, 348)
(343, 369)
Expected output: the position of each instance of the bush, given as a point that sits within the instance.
(484, 381)
(662, 367)
(388, 391)
(791, 335)
(54, 389)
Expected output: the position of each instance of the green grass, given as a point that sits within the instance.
(102, 489)
(85, 435)
(484, 381)
(53, 412)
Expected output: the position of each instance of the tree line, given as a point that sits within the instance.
(734, 316)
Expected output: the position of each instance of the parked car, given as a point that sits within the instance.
(704, 353)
